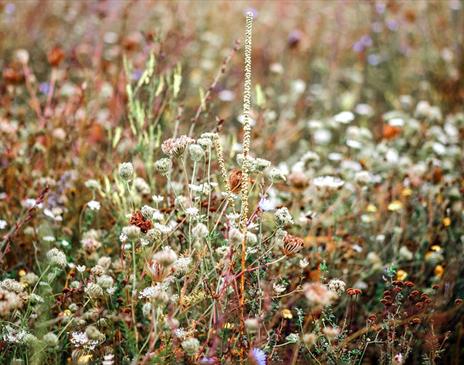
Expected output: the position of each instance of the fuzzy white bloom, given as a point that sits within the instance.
(191, 346)
(182, 264)
(166, 257)
(192, 212)
(94, 205)
(126, 170)
(337, 286)
(3, 224)
(344, 117)
(318, 294)
(57, 257)
(329, 182)
(283, 217)
(157, 199)
(200, 231)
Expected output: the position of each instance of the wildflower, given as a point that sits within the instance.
(287, 313)
(126, 171)
(196, 152)
(105, 281)
(331, 332)
(182, 263)
(94, 291)
(318, 294)
(303, 263)
(3, 224)
(108, 359)
(157, 199)
(200, 231)
(132, 232)
(292, 338)
(279, 288)
(283, 217)
(49, 238)
(401, 275)
(192, 212)
(174, 147)
(93, 333)
(166, 257)
(80, 268)
(344, 117)
(276, 175)
(438, 271)
(257, 356)
(405, 254)
(337, 286)
(309, 339)
(398, 359)
(252, 324)
(163, 166)
(30, 278)
(50, 339)
(94, 205)
(191, 346)
(329, 182)
(57, 257)
(141, 186)
(92, 184)
(395, 206)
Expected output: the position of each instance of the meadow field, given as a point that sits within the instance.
(231, 182)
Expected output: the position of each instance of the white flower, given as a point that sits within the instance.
(94, 205)
(48, 238)
(157, 199)
(192, 212)
(330, 182)
(80, 268)
(3, 224)
(279, 288)
(303, 263)
(344, 117)
(266, 204)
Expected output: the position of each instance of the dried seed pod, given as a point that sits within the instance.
(292, 245)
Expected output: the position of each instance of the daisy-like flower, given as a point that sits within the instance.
(94, 205)
(257, 356)
(329, 182)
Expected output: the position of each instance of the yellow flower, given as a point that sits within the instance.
(287, 314)
(401, 275)
(446, 221)
(21, 273)
(228, 326)
(436, 248)
(66, 313)
(371, 208)
(395, 205)
(406, 192)
(438, 271)
(84, 359)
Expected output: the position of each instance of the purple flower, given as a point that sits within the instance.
(44, 87)
(257, 356)
(362, 43)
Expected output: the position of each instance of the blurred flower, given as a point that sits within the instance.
(257, 356)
